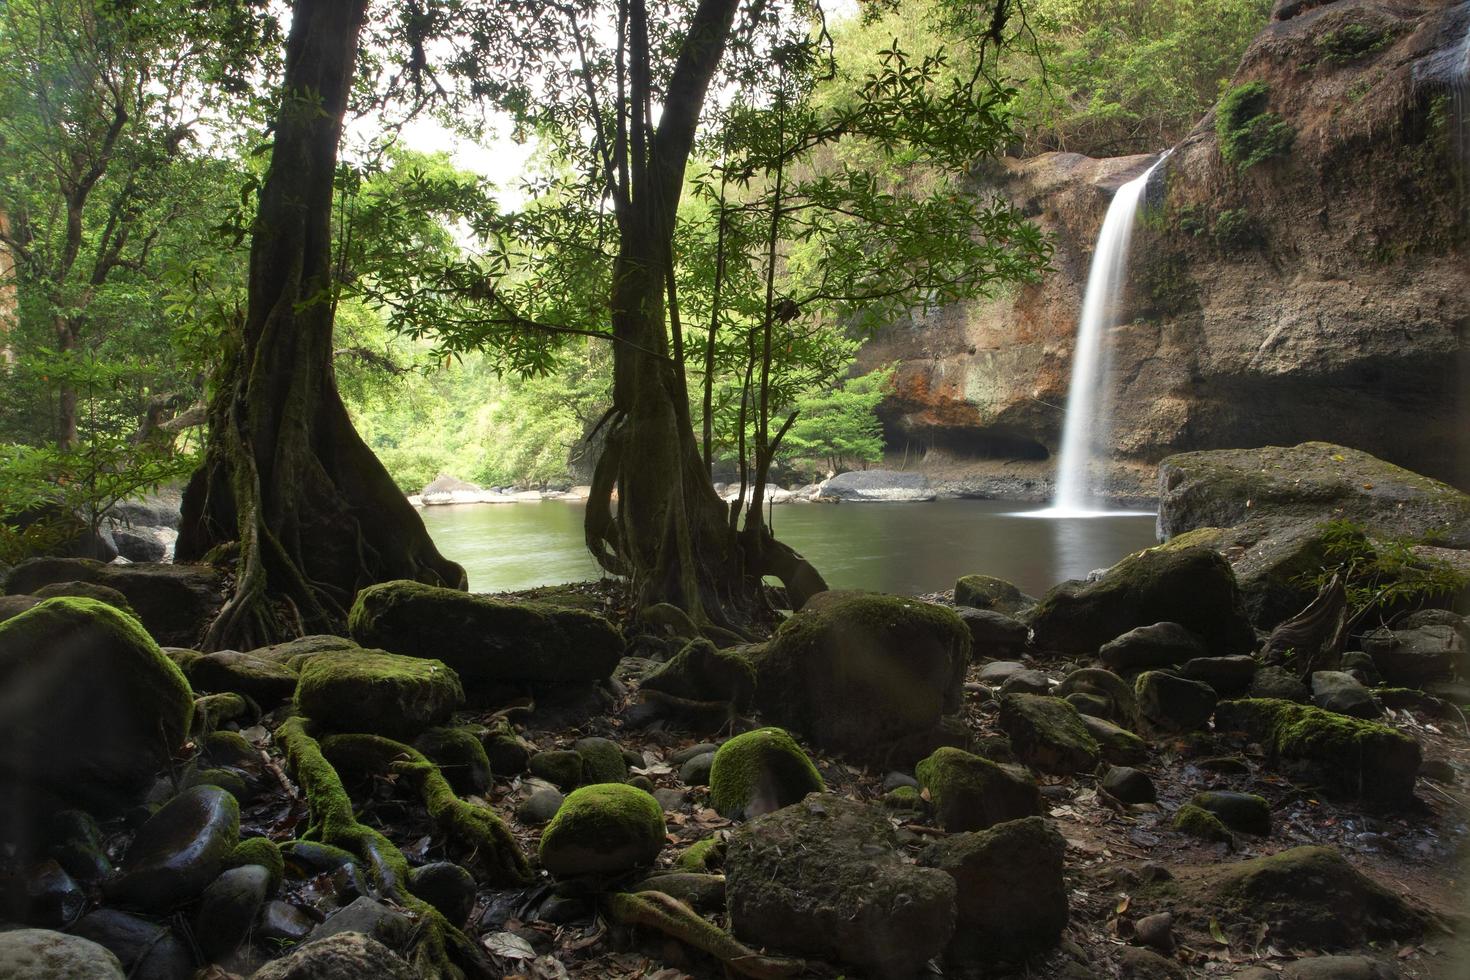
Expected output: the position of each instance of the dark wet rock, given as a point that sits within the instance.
(1157, 645)
(1129, 785)
(370, 690)
(643, 783)
(282, 922)
(856, 672)
(1311, 897)
(538, 808)
(1193, 587)
(1353, 757)
(993, 633)
(823, 878)
(508, 752)
(894, 780)
(139, 544)
(702, 672)
(1362, 667)
(1011, 900)
(701, 892)
(42, 894)
(1026, 682)
(369, 917)
(690, 751)
(1118, 745)
(1093, 705)
(447, 887)
(228, 908)
(13, 605)
(696, 771)
(99, 743)
(563, 909)
(563, 767)
(174, 602)
(1048, 734)
(487, 641)
(1333, 690)
(260, 851)
(265, 682)
(77, 845)
(460, 755)
(997, 672)
(179, 851)
(40, 954)
(1156, 930)
(1280, 684)
(991, 593)
(1096, 681)
(1172, 703)
(1411, 658)
(971, 793)
(671, 799)
(758, 772)
(1243, 812)
(147, 950)
(1230, 676)
(608, 828)
(344, 956)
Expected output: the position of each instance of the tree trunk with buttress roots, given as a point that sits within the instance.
(286, 477)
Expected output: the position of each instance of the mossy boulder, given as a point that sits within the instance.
(760, 771)
(561, 767)
(265, 682)
(13, 605)
(1196, 821)
(1048, 734)
(1245, 812)
(373, 691)
(971, 793)
(488, 642)
(262, 851)
(989, 592)
(994, 634)
(855, 672)
(609, 829)
(1116, 744)
(294, 653)
(703, 855)
(1308, 897)
(1011, 899)
(1172, 703)
(703, 672)
(824, 878)
(460, 756)
(1357, 758)
(174, 602)
(1096, 681)
(90, 709)
(602, 760)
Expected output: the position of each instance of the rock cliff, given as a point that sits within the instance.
(1322, 292)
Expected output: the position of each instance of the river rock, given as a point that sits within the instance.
(40, 954)
(367, 917)
(1026, 682)
(609, 828)
(13, 605)
(758, 772)
(87, 590)
(993, 633)
(538, 808)
(824, 878)
(387, 694)
(142, 544)
(344, 956)
(704, 673)
(1129, 785)
(1229, 676)
(228, 908)
(1118, 693)
(563, 767)
(42, 894)
(1353, 757)
(1173, 704)
(878, 486)
(602, 760)
(1244, 812)
(1193, 587)
(1159, 645)
(1333, 690)
(1279, 684)
(991, 593)
(1048, 734)
(857, 672)
(265, 682)
(1118, 745)
(460, 755)
(972, 793)
(487, 641)
(146, 949)
(447, 887)
(1413, 657)
(696, 771)
(178, 851)
(77, 845)
(99, 743)
(174, 602)
(1011, 899)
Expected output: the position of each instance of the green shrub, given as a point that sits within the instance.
(1351, 42)
(1248, 133)
(1236, 231)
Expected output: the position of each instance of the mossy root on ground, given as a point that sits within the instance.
(478, 828)
(657, 910)
(439, 951)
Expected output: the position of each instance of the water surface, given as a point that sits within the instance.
(903, 548)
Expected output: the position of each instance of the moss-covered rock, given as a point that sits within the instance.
(90, 709)
(294, 653)
(265, 682)
(1354, 757)
(1117, 745)
(460, 755)
(88, 590)
(1048, 734)
(1172, 703)
(561, 767)
(1011, 899)
(370, 690)
(609, 828)
(971, 793)
(855, 672)
(232, 781)
(487, 641)
(1199, 822)
(904, 798)
(174, 602)
(602, 760)
(1193, 587)
(508, 752)
(702, 672)
(1122, 705)
(703, 855)
(760, 771)
(262, 851)
(824, 878)
(1245, 812)
(213, 710)
(989, 592)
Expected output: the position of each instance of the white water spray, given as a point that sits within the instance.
(1084, 427)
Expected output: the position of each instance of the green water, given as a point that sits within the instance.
(903, 548)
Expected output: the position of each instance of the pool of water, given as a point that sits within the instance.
(903, 548)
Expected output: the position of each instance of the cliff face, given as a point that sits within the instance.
(1322, 293)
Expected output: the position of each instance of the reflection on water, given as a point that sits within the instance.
(904, 548)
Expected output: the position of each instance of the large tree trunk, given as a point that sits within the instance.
(315, 515)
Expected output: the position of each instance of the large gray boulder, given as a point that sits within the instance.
(40, 954)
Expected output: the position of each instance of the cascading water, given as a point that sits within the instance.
(1084, 427)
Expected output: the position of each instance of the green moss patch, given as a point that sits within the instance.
(262, 851)
(971, 793)
(761, 771)
(357, 690)
(609, 828)
(1248, 133)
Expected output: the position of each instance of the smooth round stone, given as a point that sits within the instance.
(1157, 931)
(179, 850)
(45, 895)
(228, 909)
(148, 950)
(282, 922)
(40, 954)
(643, 783)
(1026, 682)
(995, 673)
(539, 807)
(695, 772)
(447, 887)
(1130, 785)
(894, 780)
(671, 799)
(371, 918)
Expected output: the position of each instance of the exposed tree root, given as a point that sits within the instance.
(495, 850)
(439, 950)
(656, 910)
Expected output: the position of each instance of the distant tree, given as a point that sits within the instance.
(839, 425)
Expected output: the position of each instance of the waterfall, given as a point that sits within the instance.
(1084, 427)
